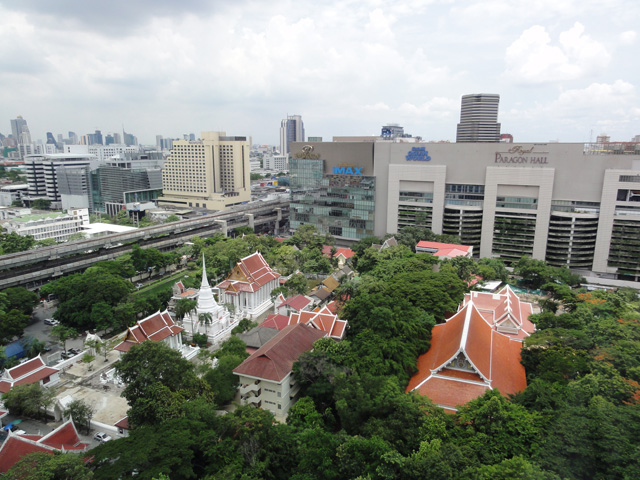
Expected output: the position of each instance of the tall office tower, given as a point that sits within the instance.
(192, 137)
(109, 140)
(129, 139)
(51, 140)
(212, 173)
(73, 138)
(291, 130)
(60, 139)
(479, 118)
(117, 139)
(159, 143)
(16, 127)
(25, 136)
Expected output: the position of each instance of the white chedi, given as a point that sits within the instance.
(208, 317)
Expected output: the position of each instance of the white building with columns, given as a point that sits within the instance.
(248, 287)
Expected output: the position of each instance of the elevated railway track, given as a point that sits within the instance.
(35, 267)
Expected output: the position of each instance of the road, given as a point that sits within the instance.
(41, 332)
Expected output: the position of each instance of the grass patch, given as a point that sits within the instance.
(163, 284)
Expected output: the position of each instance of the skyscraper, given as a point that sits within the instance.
(479, 118)
(16, 127)
(291, 130)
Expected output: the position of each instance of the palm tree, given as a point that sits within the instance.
(207, 319)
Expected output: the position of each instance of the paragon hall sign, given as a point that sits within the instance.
(521, 155)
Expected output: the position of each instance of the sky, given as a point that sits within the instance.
(565, 70)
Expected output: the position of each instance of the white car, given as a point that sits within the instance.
(101, 437)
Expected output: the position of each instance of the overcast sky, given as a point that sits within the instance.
(565, 70)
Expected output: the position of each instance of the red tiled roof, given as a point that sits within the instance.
(297, 303)
(66, 436)
(322, 319)
(249, 274)
(274, 360)
(28, 366)
(333, 307)
(31, 371)
(37, 376)
(345, 252)
(276, 321)
(155, 327)
(15, 447)
(122, 423)
(439, 245)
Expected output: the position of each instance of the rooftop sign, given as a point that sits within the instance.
(518, 154)
(347, 170)
(418, 154)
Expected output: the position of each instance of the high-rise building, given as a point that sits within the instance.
(479, 118)
(159, 143)
(42, 174)
(291, 130)
(211, 173)
(129, 139)
(51, 140)
(109, 140)
(16, 127)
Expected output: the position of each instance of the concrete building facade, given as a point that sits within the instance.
(212, 173)
(479, 118)
(567, 204)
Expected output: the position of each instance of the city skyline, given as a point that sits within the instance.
(561, 72)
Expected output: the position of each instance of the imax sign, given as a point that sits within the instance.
(418, 154)
(347, 171)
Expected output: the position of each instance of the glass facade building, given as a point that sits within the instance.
(340, 204)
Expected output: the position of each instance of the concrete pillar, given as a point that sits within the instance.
(276, 230)
(223, 226)
(251, 220)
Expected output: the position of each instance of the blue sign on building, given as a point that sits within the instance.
(347, 171)
(418, 154)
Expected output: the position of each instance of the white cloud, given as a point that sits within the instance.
(533, 59)
(628, 37)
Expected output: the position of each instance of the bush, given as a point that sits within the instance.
(200, 339)
(88, 358)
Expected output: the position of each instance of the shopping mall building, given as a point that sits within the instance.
(566, 203)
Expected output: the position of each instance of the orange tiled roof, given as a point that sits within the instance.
(467, 356)
(322, 319)
(249, 275)
(504, 309)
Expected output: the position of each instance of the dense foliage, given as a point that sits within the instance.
(579, 417)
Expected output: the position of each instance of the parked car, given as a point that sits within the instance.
(51, 321)
(72, 352)
(101, 437)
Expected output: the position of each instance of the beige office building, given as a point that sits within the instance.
(569, 204)
(211, 173)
